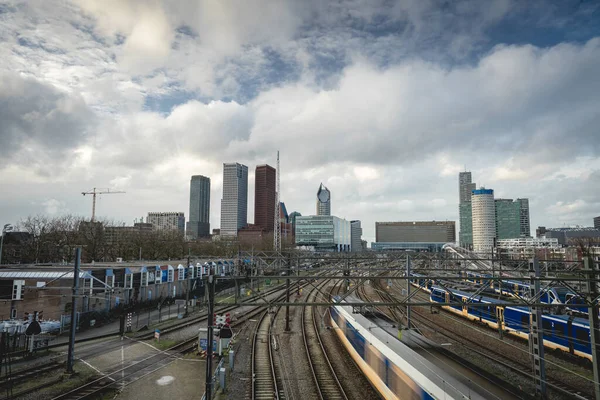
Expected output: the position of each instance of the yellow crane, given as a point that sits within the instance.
(94, 193)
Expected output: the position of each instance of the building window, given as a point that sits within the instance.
(158, 278)
(13, 313)
(128, 281)
(18, 290)
(110, 282)
(144, 280)
(170, 275)
(180, 274)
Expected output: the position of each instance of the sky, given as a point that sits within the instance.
(384, 102)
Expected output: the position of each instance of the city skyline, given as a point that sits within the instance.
(357, 95)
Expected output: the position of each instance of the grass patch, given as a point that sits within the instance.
(82, 375)
(164, 344)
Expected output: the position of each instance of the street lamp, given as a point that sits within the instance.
(7, 228)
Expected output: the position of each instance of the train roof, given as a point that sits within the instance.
(468, 294)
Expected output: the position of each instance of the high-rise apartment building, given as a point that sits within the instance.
(597, 222)
(483, 220)
(234, 204)
(199, 223)
(525, 225)
(323, 201)
(465, 189)
(167, 220)
(355, 236)
(264, 197)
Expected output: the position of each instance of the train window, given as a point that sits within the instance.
(546, 326)
(525, 321)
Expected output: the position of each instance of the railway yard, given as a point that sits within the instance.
(326, 352)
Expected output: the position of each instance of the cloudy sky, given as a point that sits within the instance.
(382, 101)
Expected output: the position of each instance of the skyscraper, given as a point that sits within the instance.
(234, 204)
(597, 222)
(484, 220)
(264, 197)
(355, 236)
(525, 225)
(199, 223)
(508, 218)
(465, 189)
(323, 201)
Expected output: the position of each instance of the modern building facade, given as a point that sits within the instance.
(465, 189)
(355, 236)
(264, 197)
(508, 218)
(567, 236)
(415, 231)
(167, 220)
(597, 222)
(234, 204)
(199, 217)
(323, 201)
(525, 224)
(323, 233)
(525, 248)
(484, 220)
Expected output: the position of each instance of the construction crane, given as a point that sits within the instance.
(94, 193)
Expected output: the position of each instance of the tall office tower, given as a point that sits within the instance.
(199, 223)
(508, 218)
(597, 222)
(355, 236)
(525, 226)
(167, 220)
(484, 220)
(465, 188)
(323, 201)
(234, 204)
(264, 197)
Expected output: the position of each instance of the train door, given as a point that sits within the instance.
(465, 309)
(500, 317)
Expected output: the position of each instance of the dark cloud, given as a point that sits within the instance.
(36, 117)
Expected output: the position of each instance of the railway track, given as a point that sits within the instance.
(522, 368)
(264, 379)
(325, 378)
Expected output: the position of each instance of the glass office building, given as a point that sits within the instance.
(323, 233)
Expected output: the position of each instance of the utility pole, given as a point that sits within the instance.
(209, 334)
(287, 296)
(592, 293)
(408, 291)
(71, 352)
(187, 292)
(95, 192)
(536, 335)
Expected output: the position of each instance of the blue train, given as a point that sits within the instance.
(395, 370)
(567, 333)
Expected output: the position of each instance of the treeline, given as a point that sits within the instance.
(44, 239)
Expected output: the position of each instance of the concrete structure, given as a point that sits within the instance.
(465, 189)
(597, 222)
(415, 231)
(355, 236)
(323, 233)
(167, 220)
(323, 201)
(525, 248)
(432, 247)
(234, 204)
(484, 220)
(568, 236)
(123, 234)
(525, 224)
(508, 218)
(199, 217)
(264, 197)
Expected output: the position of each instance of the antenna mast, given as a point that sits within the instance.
(277, 222)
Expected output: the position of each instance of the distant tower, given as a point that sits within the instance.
(276, 217)
(234, 204)
(525, 225)
(465, 188)
(484, 220)
(199, 223)
(323, 201)
(264, 196)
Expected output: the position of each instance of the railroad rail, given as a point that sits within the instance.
(264, 380)
(325, 378)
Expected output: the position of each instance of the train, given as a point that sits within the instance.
(565, 332)
(392, 368)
